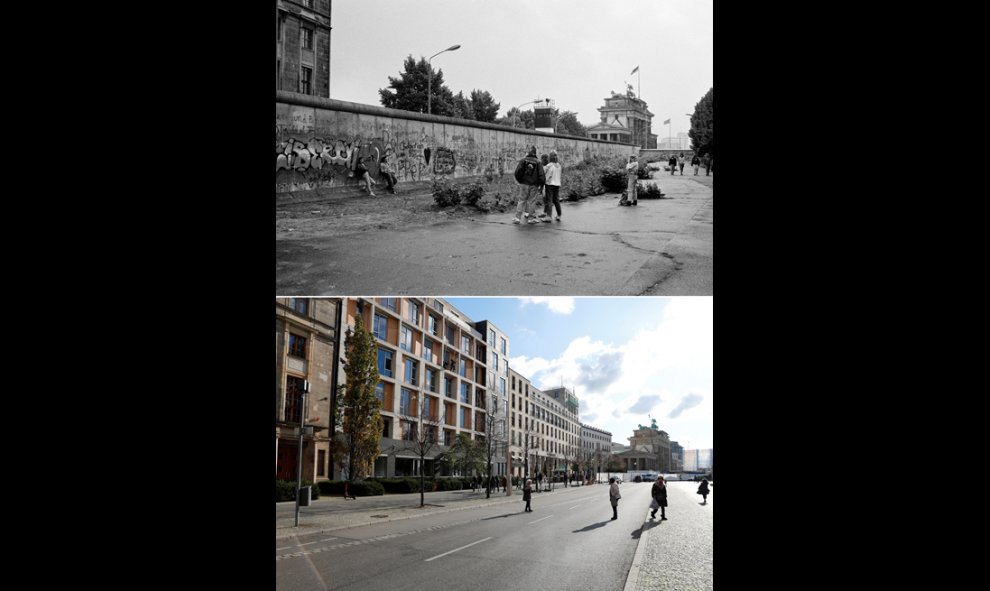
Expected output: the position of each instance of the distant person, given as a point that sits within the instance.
(531, 178)
(386, 170)
(707, 162)
(680, 163)
(659, 494)
(672, 163)
(632, 167)
(695, 162)
(551, 195)
(528, 494)
(703, 490)
(613, 497)
(362, 174)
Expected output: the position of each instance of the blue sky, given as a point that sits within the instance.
(626, 358)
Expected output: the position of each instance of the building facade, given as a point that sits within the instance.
(302, 46)
(306, 347)
(676, 457)
(649, 449)
(498, 388)
(433, 376)
(596, 447)
(699, 460)
(625, 119)
(545, 435)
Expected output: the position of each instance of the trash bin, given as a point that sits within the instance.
(304, 496)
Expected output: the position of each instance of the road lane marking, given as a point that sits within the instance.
(574, 507)
(306, 544)
(538, 520)
(457, 549)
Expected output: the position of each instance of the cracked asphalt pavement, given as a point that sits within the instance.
(354, 244)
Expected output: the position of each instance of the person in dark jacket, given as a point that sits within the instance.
(703, 490)
(528, 494)
(531, 178)
(659, 494)
(695, 162)
(613, 497)
(673, 164)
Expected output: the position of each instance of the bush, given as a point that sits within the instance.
(444, 193)
(398, 486)
(652, 191)
(447, 484)
(643, 172)
(285, 490)
(614, 179)
(472, 193)
(366, 488)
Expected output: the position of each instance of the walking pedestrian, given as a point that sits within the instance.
(672, 164)
(659, 494)
(551, 196)
(703, 491)
(386, 170)
(531, 178)
(362, 174)
(680, 163)
(707, 162)
(695, 162)
(528, 494)
(632, 171)
(613, 497)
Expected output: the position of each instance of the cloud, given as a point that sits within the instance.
(588, 418)
(598, 372)
(557, 305)
(689, 401)
(616, 414)
(645, 404)
(528, 367)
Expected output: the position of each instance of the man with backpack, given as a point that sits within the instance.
(531, 178)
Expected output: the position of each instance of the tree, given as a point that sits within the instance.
(517, 118)
(568, 123)
(461, 106)
(464, 455)
(485, 107)
(494, 439)
(410, 89)
(361, 409)
(425, 437)
(703, 125)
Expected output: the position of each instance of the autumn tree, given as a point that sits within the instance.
(361, 409)
(702, 131)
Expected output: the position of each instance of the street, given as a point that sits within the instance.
(567, 541)
(659, 247)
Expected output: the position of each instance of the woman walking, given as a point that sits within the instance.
(528, 494)
(695, 162)
(680, 163)
(703, 490)
(673, 164)
(613, 497)
(659, 494)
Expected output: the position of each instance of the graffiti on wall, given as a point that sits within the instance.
(443, 161)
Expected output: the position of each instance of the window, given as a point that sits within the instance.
(405, 402)
(433, 325)
(427, 408)
(431, 380)
(513, 382)
(428, 350)
(439, 306)
(465, 419)
(465, 396)
(414, 313)
(462, 369)
(466, 344)
(448, 437)
(491, 337)
(297, 346)
(293, 398)
(448, 388)
(380, 392)
(430, 433)
(385, 362)
(300, 305)
(389, 303)
(412, 372)
(502, 344)
(306, 38)
(380, 326)
(501, 386)
(405, 339)
(408, 430)
(321, 461)
(494, 361)
(450, 335)
(306, 80)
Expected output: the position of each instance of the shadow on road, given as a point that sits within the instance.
(502, 516)
(648, 525)
(590, 527)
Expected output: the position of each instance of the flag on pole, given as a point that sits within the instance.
(634, 70)
(666, 122)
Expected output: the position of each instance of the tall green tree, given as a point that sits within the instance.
(464, 455)
(485, 107)
(361, 409)
(408, 91)
(569, 124)
(702, 131)
(516, 118)
(461, 106)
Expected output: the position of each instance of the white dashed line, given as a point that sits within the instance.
(457, 549)
(538, 520)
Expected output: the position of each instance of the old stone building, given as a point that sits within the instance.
(649, 449)
(302, 46)
(625, 120)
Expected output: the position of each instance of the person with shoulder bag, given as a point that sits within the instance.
(613, 497)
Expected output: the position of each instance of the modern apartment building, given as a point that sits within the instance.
(428, 352)
(302, 46)
(498, 388)
(698, 460)
(306, 347)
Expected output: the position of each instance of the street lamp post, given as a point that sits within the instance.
(526, 103)
(429, 83)
(302, 431)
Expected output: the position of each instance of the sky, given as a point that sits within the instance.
(627, 359)
(575, 51)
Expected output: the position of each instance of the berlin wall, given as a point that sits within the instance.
(318, 142)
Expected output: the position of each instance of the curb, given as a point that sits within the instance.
(632, 579)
